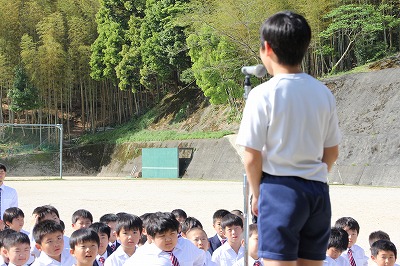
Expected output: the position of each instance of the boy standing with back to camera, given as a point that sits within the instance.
(290, 133)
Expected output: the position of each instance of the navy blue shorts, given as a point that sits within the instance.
(294, 218)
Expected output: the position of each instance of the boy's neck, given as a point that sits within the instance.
(83, 264)
(129, 251)
(284, 69)
(57, 258)
(235, 246)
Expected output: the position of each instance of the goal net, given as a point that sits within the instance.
(31, 149)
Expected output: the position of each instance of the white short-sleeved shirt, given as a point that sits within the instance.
(358, 255)
(226, 256)
(340, 261)
(117, 258)
(185, 251)
(45, 260)
(250, 261)
(9, 198)
(291, 118)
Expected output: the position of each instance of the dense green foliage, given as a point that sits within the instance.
(95, 63)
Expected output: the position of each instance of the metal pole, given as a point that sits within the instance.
(246, 220)
(60, 126)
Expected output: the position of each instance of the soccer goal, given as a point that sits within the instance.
(32, 144)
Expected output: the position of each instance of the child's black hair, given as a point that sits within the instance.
(160, 222)
(253, 229)
(377, 235)
(129, 222)
(230, 220)
(289, 36)
(15, 238)
(82, 213)
(348, 222)
(338, 239)
(189, 223)
(44, 228)
(42, 211)
(83, 235)
(109, 217)
(4, 233)
(101, 228)
(11, 213)
(179, 213)
(384, 245)
(219, 214)
(2, 166)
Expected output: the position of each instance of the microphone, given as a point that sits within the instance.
(258, 70)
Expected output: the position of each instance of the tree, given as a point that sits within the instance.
(23, 94)
(356, 26)
(215, 66)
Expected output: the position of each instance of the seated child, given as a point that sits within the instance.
(199, 238)
(143, 238)
(219, 238)
(377, 235)
(81, 219)
(3, 234)
(129, 229)
(232, 250)
(338, 242)
(252, 248)
(17, 248)
(111, 219)
(84, 244)
(180, 215)
(105, 251)
(384, 253)
(48, 236)
(14, 219)
(353, 251)
(166, 248)
(189, 223)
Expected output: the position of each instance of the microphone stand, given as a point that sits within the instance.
(247, 89)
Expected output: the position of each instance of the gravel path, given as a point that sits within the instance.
(374, 208)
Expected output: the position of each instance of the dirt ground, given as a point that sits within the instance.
(374, 208)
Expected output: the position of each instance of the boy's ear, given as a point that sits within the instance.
(71, 251)
(38, 246)
(5, 252)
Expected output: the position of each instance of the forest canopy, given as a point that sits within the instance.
(103, 62)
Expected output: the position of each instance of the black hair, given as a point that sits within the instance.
(83, 235)
(11, 213)
(42, 211)
(230, 220)
(289, 36)
(189, 223)
(179, 213)
(237, 212)
(44, 228)
(253, 229)
(219, 214)
(4, 233)
(384, 245)
(160, 222)
(377, 235)
(2, 166)
(338, 239)
(15, 238)
(109, 217)
(129, 222)
(348, 222)
(145, 218)
(62, 224)
(101, 228)
(82, 213)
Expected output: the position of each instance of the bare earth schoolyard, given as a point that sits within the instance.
(374, 208)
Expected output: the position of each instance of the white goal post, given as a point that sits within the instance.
(40, 127)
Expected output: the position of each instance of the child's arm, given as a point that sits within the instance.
(330, 156)
(253, 167)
